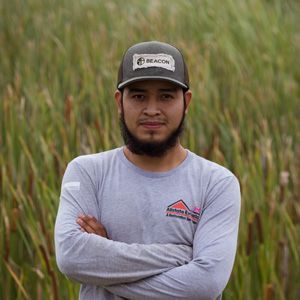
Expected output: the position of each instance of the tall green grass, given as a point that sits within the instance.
(58, 66)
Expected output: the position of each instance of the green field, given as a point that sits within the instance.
(58, 70)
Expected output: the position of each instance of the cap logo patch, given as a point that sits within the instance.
(160, 60)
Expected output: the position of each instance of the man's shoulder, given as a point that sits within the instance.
(215, 177)
(95, 159)
(210, 169)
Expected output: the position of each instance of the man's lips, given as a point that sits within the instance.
(152, 124)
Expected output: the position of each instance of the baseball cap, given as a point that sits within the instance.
(153, 60)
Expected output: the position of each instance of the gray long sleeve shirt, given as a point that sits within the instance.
(172, 235)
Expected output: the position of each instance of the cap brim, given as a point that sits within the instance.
(142, 78)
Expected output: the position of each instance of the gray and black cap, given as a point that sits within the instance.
(153, 60)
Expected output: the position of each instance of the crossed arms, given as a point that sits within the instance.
(155, 271)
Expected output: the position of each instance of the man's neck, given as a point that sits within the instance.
(167, 162)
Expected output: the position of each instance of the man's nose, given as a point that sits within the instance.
(152, 107)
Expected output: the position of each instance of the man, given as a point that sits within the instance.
(150, 220)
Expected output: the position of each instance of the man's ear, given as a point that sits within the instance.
(188, 99)
(118, 99)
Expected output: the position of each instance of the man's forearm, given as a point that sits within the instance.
(91, 259)
(193, 282)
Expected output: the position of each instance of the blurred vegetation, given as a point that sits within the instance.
(58, 69)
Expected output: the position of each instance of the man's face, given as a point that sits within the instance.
(152, 115)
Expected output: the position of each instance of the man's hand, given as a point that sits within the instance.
(90, 224)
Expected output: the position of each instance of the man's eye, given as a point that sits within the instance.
(138, 97)
(166, 97)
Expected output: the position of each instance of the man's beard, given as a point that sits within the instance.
(153, 149)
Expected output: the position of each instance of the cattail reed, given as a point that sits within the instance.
(56, 159)
(39, 291)
(31, 179)
(249, 245)
(17, 281)
(1, 174)
(259, 227)
(284, 257)
(44, 229)
(15, 218)
(98, 128)
(50, 272)
(7, 234)
(269, 292)
(68, 108)
(283, 182)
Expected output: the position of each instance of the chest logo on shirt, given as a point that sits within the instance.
(180, 210)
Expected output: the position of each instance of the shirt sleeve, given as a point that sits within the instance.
(91, 259)
(214, 248)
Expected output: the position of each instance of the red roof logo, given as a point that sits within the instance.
(179, 205)
(180, 210)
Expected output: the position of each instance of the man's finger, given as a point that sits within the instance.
(92, 221)
(85, 226)
(91, 225)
